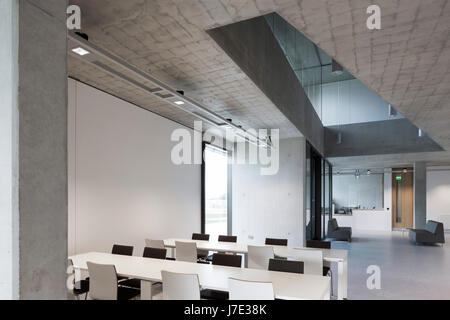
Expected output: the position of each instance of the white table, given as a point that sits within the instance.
(329, 255)
(289, 286)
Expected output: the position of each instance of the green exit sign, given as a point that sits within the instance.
(398, 178)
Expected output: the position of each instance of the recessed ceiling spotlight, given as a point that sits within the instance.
(179, 103)
(80, 51)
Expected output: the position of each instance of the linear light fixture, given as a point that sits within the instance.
(161, 90)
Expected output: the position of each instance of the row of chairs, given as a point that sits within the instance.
(107, 285)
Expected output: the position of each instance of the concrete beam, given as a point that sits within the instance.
(420, 195)
(377, 138)
(254, 48)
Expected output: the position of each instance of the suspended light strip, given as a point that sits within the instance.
(162, 91)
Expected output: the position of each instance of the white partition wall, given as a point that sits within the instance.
(271, 205)
(438, 195)
(123, 187)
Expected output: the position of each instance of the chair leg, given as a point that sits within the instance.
(85, 297)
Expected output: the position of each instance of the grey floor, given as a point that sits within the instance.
(408, 271)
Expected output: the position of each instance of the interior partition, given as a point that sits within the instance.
(123, 185)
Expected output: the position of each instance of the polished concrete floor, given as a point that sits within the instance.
(408, 271)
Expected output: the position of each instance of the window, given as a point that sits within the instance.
(216, 187)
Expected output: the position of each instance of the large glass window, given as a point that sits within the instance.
(216, 218)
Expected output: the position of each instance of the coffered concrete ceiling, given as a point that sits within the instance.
(407, 62)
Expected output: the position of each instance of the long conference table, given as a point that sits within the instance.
(329, 256)
(287, 286)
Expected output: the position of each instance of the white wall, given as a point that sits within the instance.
(365, 192)
(271, 206)
(370, 220)
(123, 186)
(438, 194)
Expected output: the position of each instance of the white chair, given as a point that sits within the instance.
(259, 256)
(103, 284)
(312, 260)
(250, 290)
(186, 251)
(158, 244)
(180, 286)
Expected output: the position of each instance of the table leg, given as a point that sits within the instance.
(328, 293)
(146, 290)
(245, 260)
(342, 280)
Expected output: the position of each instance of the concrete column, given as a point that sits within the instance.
(33, 154)
(420, 195)
(9, 140)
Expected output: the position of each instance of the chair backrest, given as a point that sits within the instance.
(200, 236)
(250, 290)
(122, 250)
(276, 242)
(312, 260)
(102, 281)
(259, 256)
(286, 265)
(154, 243)
(229, 260)
(180, 286)
(186, 251)
(227, 239)
(319, 244)
(431, 226)
(155, 253)
(332, 224)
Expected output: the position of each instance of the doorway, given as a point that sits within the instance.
(402, 198)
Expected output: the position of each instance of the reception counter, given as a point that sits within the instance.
(373, 220)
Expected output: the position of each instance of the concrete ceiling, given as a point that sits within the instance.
(407, 62)
(167, 39)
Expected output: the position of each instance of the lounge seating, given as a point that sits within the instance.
(338, 233)
(433, 233)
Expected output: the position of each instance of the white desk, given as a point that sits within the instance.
(329, 255)
(287, 286)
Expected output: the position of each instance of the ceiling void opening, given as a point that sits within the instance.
(337, 96)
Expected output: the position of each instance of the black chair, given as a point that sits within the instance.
(320, 244)
(222, 238)
(122, 250)
(79, 287)
(276, 242)
(228, 260)
(433, 233)
(201, 254)
(221, 259)
(200, 236)
(286, 266)
(228, 239)
(153, 253)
